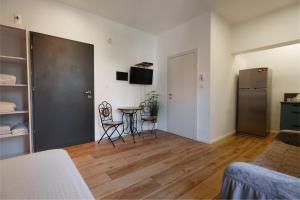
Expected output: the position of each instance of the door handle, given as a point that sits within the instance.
(88, 92)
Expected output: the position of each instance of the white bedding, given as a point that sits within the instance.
(45, 175)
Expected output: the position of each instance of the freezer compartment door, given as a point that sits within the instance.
(252, 111)
(245, 79)
(253, 78)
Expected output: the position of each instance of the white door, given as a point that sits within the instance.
(182, 95)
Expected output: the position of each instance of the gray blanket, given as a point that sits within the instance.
(249, 181)
(273, 175)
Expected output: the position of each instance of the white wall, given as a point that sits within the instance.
(129, 45)
(223, 81)
(211, 35)
(194, 34)
(217, 99)
(268, 38)
(285, 65)
(272, 29)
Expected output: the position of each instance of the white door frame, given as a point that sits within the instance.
(195, 52)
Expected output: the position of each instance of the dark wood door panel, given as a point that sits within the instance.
(63, 70)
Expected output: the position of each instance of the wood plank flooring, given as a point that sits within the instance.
(170, 167)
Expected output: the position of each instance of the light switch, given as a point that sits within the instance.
(201, 78)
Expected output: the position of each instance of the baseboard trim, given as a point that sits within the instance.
(223, 136)
(203, 141)
(274, 131)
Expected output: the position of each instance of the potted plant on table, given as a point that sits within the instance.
(152, 97)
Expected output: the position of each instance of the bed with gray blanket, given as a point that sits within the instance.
(273, 175)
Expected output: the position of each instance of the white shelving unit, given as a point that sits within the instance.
(14, 57)
(11, 135)
(4, 58)
(16, 85)
(15, 112)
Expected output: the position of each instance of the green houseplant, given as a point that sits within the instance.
(152, 97)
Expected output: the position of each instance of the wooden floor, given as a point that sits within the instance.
(170, 167)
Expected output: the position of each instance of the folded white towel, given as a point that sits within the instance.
(6, 79)
(5, 132)
(4, 127)
(7, 106)
(20, 129)
(19, 132)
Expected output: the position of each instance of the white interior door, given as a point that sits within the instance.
(182, 95)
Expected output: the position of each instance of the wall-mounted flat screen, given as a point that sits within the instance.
(122, 76)
(141, 76)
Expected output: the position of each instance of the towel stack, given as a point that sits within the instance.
(6, 79)
(5, 129)
(7, 107)
(20, 129)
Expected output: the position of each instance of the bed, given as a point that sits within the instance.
(275, 174)
(44, 175)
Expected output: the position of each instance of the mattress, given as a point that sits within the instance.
(45, 175)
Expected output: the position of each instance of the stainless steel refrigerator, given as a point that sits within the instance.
(254, 101)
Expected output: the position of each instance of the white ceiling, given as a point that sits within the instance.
(157, 16)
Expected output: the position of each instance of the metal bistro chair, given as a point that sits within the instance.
(146, 117)
(105, 112)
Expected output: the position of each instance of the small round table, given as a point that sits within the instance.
(131, 111)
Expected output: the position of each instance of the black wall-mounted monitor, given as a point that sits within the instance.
(122, 76)
(141, 76)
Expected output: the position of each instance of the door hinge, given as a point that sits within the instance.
(33, 89)
(31, 47)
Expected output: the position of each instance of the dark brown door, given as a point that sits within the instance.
(63, 88)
